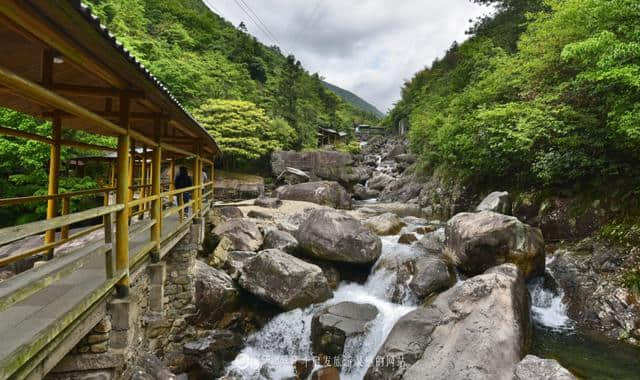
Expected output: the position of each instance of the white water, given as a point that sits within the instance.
(548, 308)
(287, 337)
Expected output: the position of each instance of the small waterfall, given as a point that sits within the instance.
(287, 337)
(547, 306)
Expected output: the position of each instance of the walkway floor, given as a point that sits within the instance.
(33, 318)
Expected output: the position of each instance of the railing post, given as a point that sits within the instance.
(143, 180)
(156, 205)
(211, 179)
(122, 197)
(66, 208)
(54, 171)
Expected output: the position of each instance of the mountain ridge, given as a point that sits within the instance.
(353, 99)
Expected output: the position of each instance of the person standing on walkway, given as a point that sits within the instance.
(182, 181)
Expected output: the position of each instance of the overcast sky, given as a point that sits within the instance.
(368, 47)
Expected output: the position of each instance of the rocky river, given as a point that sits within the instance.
(313, 283)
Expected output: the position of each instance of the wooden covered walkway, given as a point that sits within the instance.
(57, 63)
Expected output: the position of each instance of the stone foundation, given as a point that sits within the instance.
(151, 321)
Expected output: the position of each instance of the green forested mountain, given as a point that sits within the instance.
(200, 56)
(544, 95)
(354, 100)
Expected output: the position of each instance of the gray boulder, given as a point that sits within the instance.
(211, 354)
(400, 209)
(284, 241)
(330, 235)
(475, 330)
(360, 192)
(476, 242)
(284, 280)
(431, 275)
(535, 368)
(219, 215)
(385, 224)
(330, 327)
(346, 175)
(379, 181)
(498, 201)
(268, 202)
(432, 242)
(323, 193)
(216, 292)
(406, 158)
(236, 260)
(244, 234)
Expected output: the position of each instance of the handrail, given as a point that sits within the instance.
(19, 256)
(176, 209)
(35, 198)
(140, 201)
(11, 234)
(136, 187)
(178, 191)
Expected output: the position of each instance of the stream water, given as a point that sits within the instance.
(271, 352)
(587, 354)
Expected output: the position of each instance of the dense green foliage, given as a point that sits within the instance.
(354, 99)
(200, 56)
(544, 95)
(24, 168)
(242, 130)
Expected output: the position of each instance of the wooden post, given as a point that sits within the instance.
(122, 197)
(112, 174)
(143, 181)
(66, 207)
(132, 170)
(54, 171)
(156, 205)
(172, 174)
(213, 172)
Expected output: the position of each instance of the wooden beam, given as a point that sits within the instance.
(175, 149)
(94, 91)
(40, 94)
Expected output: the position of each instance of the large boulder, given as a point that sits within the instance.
(379, 181)
(346, 175)
(236, 260)
(211, 354)
(219, 215)
(385, 224)
(331, 235)
(400, 209)
(432, 242)
(268, 202)
(498, 201)
(330, 327)
(244, 234)
(284, 280)
(216, 292)
(404, 189)
(535, 368)
(475, 330)
(476, 242)
(431, 275)
(360, 192)
(311, 162)
(324, 193)
(284, 241)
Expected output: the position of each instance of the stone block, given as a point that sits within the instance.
(157, 273)
(122, 314)
(104, 326)
(156, 298)
(100, 347)
(97, 338)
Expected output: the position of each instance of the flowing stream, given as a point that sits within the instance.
(271, 352)
(587, 354)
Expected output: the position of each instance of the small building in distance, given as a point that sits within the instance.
(327, 136)
(364, 131)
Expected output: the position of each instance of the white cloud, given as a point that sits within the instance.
(366, 46)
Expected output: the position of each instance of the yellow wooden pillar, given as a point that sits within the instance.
(156, 205)
(213, 172)
(143, 181)
(122, 197)
(172, 174)
(54, 172)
